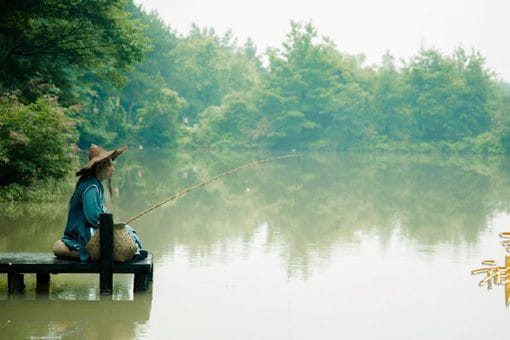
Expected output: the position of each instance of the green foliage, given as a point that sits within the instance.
(313, 94)
(149, 76)
(78, 51)
(39, 191)
(207, 67)
(233, 124)
(158, 120)
(48, 38)
(122, 76)
(392, 119)
(448, 96)
(35, 141)
(100, 118)
(501, 114)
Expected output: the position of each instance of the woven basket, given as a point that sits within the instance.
(123, 245)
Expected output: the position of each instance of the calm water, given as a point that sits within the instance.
(321, 247)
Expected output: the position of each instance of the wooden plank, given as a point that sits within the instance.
(47, 262)
(143, 270)
(43, 262)
(30, 257)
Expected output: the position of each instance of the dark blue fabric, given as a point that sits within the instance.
(78, 229)
(134, 236)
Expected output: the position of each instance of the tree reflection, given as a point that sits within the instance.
(309, 205)
(312, 204)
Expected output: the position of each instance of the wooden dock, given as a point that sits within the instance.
(45, 264)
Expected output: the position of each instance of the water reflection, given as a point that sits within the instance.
(313, 203)
(48, 317)
(309, 204)
(283, 239)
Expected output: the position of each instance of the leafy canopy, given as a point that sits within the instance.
(35, 141)
(46, 38)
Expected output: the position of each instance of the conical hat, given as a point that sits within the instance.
(98, 154)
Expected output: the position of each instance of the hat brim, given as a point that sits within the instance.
(109, 154)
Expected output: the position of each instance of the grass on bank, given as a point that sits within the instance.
(41, 191)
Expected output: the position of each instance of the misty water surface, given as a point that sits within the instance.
(325, 246)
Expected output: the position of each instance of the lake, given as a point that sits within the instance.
(324, 246)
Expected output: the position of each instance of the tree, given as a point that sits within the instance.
(35, 141)
(232, 124)
(448, 96)
(474, 97)
(76, 52)
(99, 117)
(390, 115)
(501, 114)
(313, 95)
(207, 67)
(150, 75)
(48, 38)
(158, 120)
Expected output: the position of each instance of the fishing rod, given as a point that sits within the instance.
(196, 186)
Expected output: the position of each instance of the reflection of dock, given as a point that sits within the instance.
(105, 310)
(45, 318)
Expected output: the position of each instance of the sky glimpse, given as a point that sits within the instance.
(368, 27)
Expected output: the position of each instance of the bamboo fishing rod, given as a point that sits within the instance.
(209, 180)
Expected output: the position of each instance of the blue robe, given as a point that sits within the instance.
(86, 204)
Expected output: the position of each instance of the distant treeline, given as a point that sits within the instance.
(107, 72)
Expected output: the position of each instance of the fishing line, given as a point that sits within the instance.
(298, 176)
(207, 181)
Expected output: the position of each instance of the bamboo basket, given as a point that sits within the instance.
(123, 245)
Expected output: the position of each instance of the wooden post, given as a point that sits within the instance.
(42, 278)
(15, 282)
(106, 251)
(141, 282)
(42, 282)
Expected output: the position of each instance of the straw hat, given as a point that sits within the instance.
(98, 154)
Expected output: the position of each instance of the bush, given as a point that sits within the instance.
(36, 141)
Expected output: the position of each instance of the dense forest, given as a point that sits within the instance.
(107, 72)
